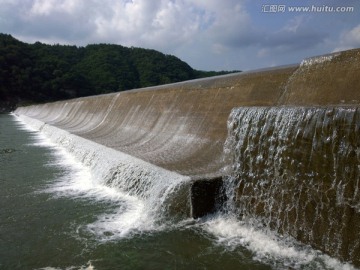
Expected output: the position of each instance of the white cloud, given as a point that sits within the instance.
(263, 53)
(227, 23)
(48, 8)
(349, 39)
(159, 24)
(167, 24)
(205, 33)
(218, 48)
(294, 24)
(297, 34)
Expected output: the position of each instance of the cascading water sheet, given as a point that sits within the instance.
(148, 190)
(296, 170)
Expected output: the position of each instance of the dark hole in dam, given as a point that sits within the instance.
(207, 197)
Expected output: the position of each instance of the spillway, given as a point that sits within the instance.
(167, 143)
(296, 170)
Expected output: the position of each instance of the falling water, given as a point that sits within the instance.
(146, 204)
(296, 170)
(158, 193)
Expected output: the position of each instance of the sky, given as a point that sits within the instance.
(207, 34)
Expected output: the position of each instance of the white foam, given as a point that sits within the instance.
(136, 189)
(269, 247)
(127, 220)
(318, 59)
(233, 232)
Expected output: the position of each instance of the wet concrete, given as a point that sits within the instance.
(182, 127)
(296, 170)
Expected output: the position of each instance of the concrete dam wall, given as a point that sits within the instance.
(182, 129)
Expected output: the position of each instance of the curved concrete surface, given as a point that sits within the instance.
(182, 127)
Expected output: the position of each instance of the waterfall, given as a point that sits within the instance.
(161, 193)
(296, 170)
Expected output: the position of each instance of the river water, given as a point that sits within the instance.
(53, 215)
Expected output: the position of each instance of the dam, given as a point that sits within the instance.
(280, 146)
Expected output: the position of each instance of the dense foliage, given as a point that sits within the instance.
(39, 73)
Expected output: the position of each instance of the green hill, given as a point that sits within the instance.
(33, 73)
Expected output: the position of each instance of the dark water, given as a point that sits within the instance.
(49, 221)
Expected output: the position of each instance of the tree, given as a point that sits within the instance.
(41, 73)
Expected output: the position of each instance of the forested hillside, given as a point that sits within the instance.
(32, 73)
